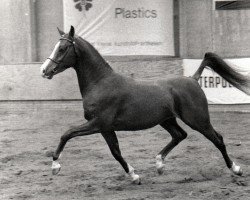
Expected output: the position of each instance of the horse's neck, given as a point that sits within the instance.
(91, 67)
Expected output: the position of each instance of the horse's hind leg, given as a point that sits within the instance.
(198, 119)
(113, 144)
(217, 140)
(177, 133)
(193, 110)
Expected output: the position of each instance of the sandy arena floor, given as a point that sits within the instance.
(29, 131)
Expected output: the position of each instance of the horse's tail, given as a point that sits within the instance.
(223, 69)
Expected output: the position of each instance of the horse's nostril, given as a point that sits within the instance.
(44, 71)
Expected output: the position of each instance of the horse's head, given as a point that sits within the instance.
(62, 57)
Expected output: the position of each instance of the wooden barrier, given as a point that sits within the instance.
(202, 28)
(24, 82)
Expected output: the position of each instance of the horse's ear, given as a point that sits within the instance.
(72, 31)
(60, 32)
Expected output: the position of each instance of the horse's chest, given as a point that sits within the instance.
(90, 110)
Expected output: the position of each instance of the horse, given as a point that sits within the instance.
(112, 102)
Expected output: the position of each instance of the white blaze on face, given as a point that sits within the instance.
(44, 66)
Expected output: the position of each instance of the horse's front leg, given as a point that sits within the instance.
(85, 129)
(113, 144)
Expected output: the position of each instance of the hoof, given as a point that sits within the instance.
(56, 167)
(236, 170)
(136, 180)
(160, 169)
(159, 164)
(239, 173)
(56, 171)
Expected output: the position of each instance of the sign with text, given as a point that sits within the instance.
(119, 27)
(217, 89)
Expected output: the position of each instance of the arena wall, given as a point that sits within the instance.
(28, 29)
(203, 29)
(28, 32)
(24, 82)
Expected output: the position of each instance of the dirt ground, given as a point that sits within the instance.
(29, 131)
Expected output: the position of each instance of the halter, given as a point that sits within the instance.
(59, 62)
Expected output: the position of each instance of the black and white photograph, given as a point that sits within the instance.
(124, 100)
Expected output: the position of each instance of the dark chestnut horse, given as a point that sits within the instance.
(115, 103)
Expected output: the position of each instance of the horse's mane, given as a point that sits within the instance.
(92, 51)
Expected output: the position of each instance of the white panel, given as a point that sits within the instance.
(119, 27)
(218, 90)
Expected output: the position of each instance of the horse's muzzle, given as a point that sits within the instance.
(45, 73)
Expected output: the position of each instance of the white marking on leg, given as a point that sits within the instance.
(55, 164)
(236, 169)
(56, 167)
(159, 164)
(135, 177)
